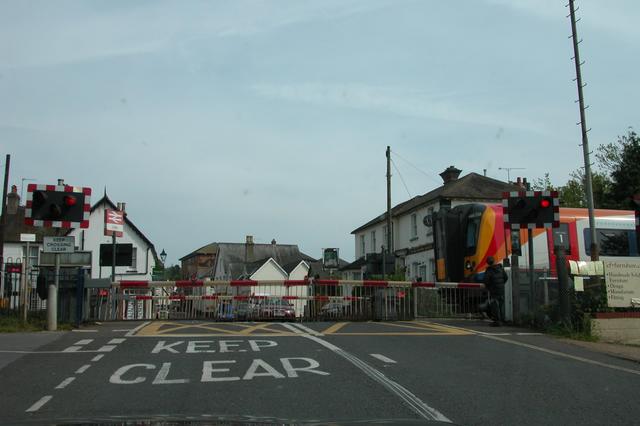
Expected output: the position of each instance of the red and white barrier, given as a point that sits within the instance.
(292, 283)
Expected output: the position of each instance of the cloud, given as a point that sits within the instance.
(619, 19)
(52, 35)
(395, 100)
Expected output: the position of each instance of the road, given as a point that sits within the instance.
(459, 371)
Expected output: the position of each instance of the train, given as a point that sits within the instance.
(466, 235)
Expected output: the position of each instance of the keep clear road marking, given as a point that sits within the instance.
(97, 358)
(549, 351)
(116, 341)
(415, 403)
(383, 358)
(38, 405)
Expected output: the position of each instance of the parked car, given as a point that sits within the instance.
(244, 311)
(275, 308)
(333, 310)
(226, 312)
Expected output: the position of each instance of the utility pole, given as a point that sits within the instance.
(3, 219)
(389, 237)
(588, 181)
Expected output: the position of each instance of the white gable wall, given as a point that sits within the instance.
(90, 239)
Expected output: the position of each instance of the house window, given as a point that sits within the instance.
(373, 241)
(134, 258)
(432, 268)
(362, 246)
(33, 254)
(430, 228)
(422, 272)
(414, 226)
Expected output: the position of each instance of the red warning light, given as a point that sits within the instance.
(544, 203)
(69, 200)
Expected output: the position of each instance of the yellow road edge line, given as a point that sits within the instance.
(335, 327)
(410, 333)
(419, 327)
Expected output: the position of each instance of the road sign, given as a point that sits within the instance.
(59, 244)
(113, 222)
(330, 258)
(27, 238)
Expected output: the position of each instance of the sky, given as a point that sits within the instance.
(215, 120)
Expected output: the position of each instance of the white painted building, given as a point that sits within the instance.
(412, 234)
(135, 254)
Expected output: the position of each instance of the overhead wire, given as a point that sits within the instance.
(415, 167)
(401, 178)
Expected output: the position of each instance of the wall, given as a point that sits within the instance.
(617, 330)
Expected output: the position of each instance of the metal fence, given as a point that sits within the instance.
(450, 300)
(308, 300)
(18, 290)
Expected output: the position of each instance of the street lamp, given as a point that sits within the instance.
(163, 257)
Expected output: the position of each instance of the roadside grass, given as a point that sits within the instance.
(12, 323)
(570, 333)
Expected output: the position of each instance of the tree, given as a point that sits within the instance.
(622, 159)
(573, 193)
(173, 273)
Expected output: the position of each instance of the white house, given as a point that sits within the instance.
(135, 254)
(412, 234)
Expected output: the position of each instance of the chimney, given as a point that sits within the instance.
(450, 174)
(519, 182)
(13, 200)
(248, 249)
(123, 207)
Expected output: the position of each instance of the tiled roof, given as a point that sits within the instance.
(470, 187)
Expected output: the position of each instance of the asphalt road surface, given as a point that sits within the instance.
(447, 371)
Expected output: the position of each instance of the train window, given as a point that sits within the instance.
(473, 229)
(613, 242)
(561, 237)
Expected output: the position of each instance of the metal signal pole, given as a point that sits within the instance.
(389, 233)
(588, 181)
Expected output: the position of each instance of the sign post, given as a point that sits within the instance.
(55, 245)
(114, 227)
(27, 238)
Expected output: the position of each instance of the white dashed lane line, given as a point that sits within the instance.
(65, 382)
(38, 405)
(76, 348)
(78, 345)
(83, 368)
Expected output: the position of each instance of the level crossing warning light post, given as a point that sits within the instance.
(527, 210)
(57, 206)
